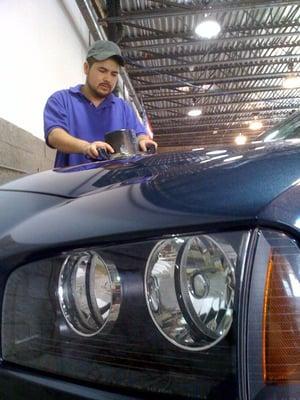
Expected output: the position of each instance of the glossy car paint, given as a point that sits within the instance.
(147, 194)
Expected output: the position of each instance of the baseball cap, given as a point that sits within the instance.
(104, 49)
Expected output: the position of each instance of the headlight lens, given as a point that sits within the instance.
(88, 291)
(190, 285)
(57, 311)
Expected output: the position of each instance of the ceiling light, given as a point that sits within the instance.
(292, 81)
(255, 125)
(208, 29)
(198, 149)
(240, 139)
(194, 112)
(184, 88)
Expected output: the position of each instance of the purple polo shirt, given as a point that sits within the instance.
(72, 111)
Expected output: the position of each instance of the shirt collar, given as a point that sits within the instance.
(77, 90)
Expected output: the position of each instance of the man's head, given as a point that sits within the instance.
(102, 68)
(103, 49)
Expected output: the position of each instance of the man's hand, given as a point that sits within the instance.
(63, 141)
(144, 142)
(90, 149)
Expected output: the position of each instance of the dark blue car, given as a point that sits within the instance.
(156, 276)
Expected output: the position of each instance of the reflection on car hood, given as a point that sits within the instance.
(169, 192)
(210, 166)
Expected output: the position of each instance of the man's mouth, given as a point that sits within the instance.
(104, 86)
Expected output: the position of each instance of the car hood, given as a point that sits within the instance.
(148, 195)
(206, 166)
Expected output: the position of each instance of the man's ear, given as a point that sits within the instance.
(86, 68)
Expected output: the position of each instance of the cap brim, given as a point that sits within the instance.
(105, 55)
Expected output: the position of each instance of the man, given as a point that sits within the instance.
(75, 120)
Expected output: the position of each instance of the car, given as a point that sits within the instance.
(154, 276)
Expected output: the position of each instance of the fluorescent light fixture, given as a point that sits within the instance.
(184, 88)
(208, 29)
(198, 148)
(292, 81)
(255, 125)
(194, 112)
(240, 139)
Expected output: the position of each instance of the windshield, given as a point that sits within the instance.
(288, 129)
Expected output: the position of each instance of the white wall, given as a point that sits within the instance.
(42, 49)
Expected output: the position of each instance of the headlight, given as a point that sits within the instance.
(190, 283)
(65, 315)
(88, 291)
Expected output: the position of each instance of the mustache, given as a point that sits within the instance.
(105, 84)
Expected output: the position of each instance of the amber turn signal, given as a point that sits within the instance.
(281, 322)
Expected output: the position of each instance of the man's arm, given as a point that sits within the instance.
(66, 143)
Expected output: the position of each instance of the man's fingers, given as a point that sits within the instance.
(94, 151)
(104, 145)
(109, 148)
(144, 142)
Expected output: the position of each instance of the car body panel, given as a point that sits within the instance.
(127, 201)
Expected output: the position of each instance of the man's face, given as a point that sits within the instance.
(102, 77)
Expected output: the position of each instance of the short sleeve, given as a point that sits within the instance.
(133, 121)
(55, 114)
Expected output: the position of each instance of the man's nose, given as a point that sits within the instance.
(108, 78)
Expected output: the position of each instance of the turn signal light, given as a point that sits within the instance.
(281, 320)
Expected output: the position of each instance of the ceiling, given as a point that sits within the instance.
(234, 78)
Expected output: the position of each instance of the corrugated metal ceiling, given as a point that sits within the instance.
(233, 78)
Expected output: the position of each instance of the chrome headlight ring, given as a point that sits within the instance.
(205, 292)
(189, 289)
(89, 293)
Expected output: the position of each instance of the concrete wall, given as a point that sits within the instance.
(21, 153)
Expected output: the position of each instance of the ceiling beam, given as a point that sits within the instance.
(204, 105)
(227, 92)
(217, 115)
(234, 39)
(212, 80)
(192, 10)
(187, 56)
(219, 120)
(188, 35)
(212, 65)
(218, 132)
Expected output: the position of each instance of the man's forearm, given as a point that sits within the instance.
(63, 141)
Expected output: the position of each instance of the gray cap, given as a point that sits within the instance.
(104, 49)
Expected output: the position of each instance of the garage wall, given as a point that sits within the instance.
(21, 153)
(43, 47)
